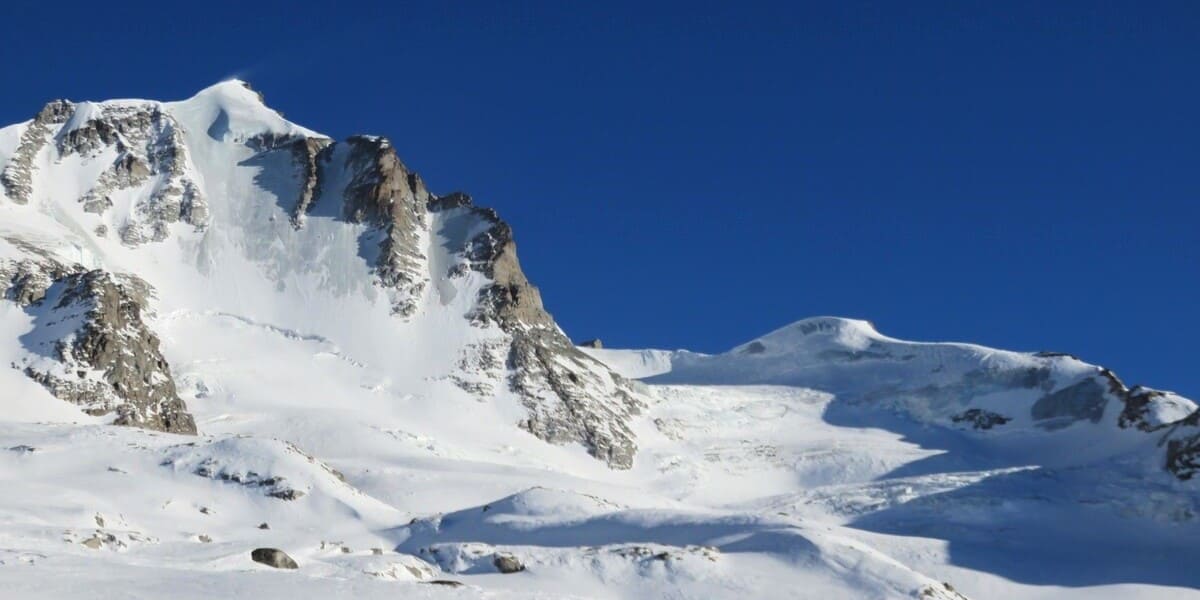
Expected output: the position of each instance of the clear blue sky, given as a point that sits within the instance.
(1018, 174)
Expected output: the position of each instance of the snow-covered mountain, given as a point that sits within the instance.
(1006, 400)
(227, 332)
(217, 208)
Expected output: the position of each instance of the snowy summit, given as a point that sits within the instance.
(244, 358)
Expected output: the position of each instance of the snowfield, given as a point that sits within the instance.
(384, 436)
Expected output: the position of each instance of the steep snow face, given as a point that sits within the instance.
(232, 111)
(635, 364)
(227, 211)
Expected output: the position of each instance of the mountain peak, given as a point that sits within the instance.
(338, 240)
(236, 90)
(233, 108)
(813, 332)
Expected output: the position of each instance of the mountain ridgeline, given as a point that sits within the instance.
(212, 179)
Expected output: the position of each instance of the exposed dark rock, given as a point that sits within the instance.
(1137, 406)
(754, 348)
(123, 370)
(451, 200)
(101, 539)
(570, 396)
(28, 280)
(445, 582)
(149, 149)
(1084, 400)
(286, 494)
(943, 592)
(1183, 457)
(307, 154)
(147, 142)
(384, 193)
(1183, 447)
(272, 486)
(273, 557)
(507, 564)
(596, 343)
(23, 449)
(263, 526)
(980, 419)
(17, 177)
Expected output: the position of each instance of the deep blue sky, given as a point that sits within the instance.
(1018, 174)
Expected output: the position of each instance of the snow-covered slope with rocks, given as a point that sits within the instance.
(225, 332)
(218, 206)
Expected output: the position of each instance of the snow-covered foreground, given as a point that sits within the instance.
(743, 491)
(313, 353)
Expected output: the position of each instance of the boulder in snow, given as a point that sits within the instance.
(273, 557)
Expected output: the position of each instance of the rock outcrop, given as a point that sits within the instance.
(95, 349)
(17, 177)
(273, 557)
(569, 395)
(980, 419)
(383, 192)
(1183, 452)
(145, 149)
(506, 564)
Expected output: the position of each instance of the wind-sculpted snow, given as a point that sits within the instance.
(288, 474)
(545, 528)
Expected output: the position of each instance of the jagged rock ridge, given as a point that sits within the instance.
(570, 397)
(150, 182)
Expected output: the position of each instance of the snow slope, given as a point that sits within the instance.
(372, 378)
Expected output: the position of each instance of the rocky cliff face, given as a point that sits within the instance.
(570, 396)
(96, 351)
(383, 192)
(1183, 448)
(410, 238)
